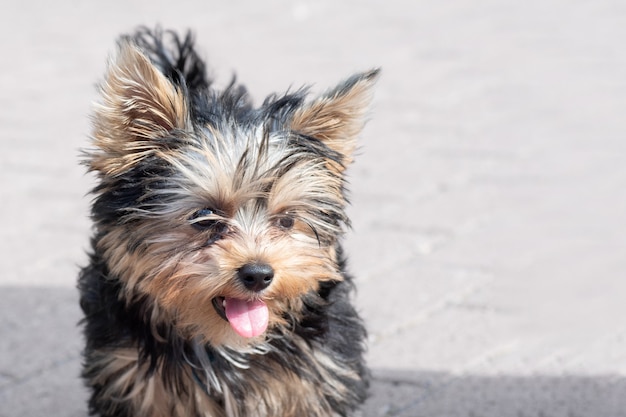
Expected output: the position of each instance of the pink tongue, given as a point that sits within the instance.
(248, 318)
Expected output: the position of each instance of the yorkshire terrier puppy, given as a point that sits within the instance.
(216, 284)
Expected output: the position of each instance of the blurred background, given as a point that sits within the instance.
(489, 195)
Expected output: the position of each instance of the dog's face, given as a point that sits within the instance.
(223, 215)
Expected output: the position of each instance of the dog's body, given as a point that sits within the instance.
(216, 285)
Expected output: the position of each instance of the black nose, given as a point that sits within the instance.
(256, 276)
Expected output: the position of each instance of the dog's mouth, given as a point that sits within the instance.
(248, 318)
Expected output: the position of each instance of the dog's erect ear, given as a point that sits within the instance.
(139, 107)
(337, 117)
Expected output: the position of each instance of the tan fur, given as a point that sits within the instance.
(183, 277)
(187, 290)
(337, 118)
(130, 382)
(185, 282)
(157, 172)
(138, 105)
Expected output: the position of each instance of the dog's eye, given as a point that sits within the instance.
(285, 222)
(204, 219)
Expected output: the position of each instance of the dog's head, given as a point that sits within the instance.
(223, 214)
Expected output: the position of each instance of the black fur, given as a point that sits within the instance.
(328, 322)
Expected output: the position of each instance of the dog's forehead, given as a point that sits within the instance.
(230, 159)
(231, 145)
(229, 168)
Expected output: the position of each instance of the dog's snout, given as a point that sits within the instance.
(256, 276)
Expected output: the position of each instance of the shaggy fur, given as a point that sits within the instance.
(204, 203)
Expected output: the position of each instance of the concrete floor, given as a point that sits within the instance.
(489, 196)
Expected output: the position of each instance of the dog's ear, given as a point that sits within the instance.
(138, 109)
(337, 117)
